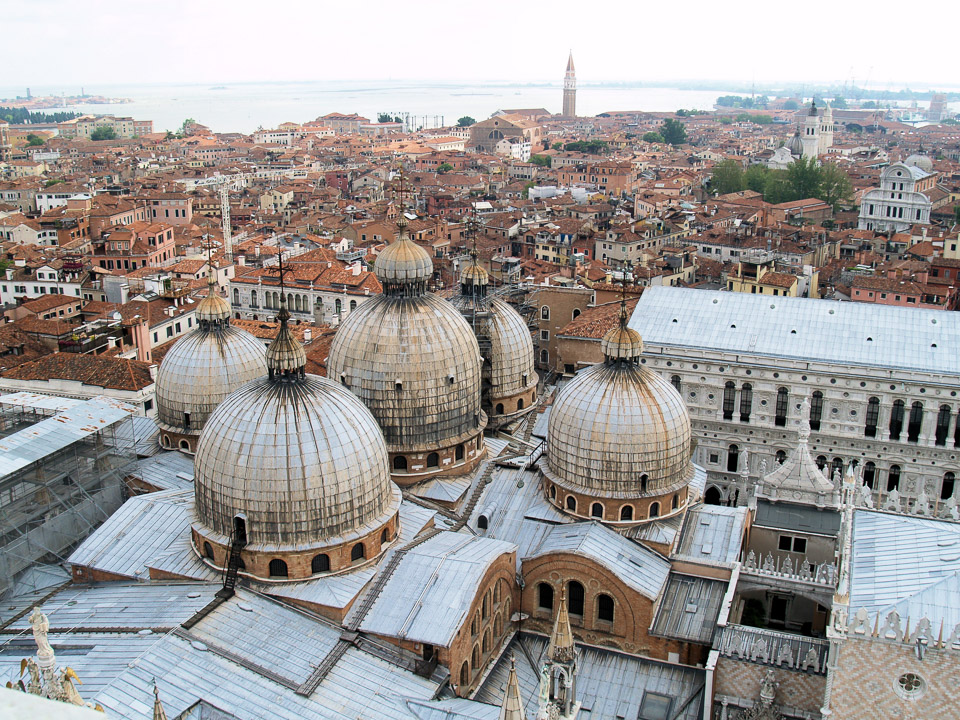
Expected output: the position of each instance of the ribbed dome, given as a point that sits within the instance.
(202, 369)
(403, 263)
(614, 423)
(213, 308)
(511, 351)
(796, 144)
(415, 362)
(920, 161)
(622, 343)
(474, 274)
(303, 461)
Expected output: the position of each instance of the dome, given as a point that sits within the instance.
(618, 432)
(403, 264)
(415, 362)
(201, 370)
(511, 352)
(303, 461)
(293, 464)
(920, 161)
(474, 274)
(796, 144)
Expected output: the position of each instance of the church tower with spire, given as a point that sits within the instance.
(570, 89)
(558, 676)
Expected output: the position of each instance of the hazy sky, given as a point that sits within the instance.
(97, 42)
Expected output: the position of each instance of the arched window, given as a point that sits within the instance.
(626, 512)
(956, 431)
(357, 552)
(236, 296)
(459, 452)
(384, 536)
(495, 135)
(465, 674)
(166, 441)
(571, 503)
(497, 625)
(208, 551)
(499, 408)
(475, 658)
(544, 357)
(320, 563)
(604, 608)
(943, 424)
(520, 404)
(544, 312)
(433, 460)
(783, 397)
(729, 398)
(575, 596)
(399, 462)
(821, 463)
(896, 419)
(916, 422)
(338, 306)
(486, 642)
(675, 381)
(483, 523)
(596, 510)
(253, 299)
(869, 473)
(781, 457)
(485, 607)
(576, 313)
(946, 487)
(733, 458)
(816, 410)
(713, 496)
(184, 445)
(545, 596)
(746, 402)
(353, 305)
(872, 418)
(675, 502)
(654, 510)
(893, 478)
(278, 568)
(644, 479)
(553, 492)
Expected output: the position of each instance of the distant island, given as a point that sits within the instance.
(45, 102)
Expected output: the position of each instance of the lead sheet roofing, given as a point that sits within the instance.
(823, 331)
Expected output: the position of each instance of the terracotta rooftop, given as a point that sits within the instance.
(594, 322)
(112, 373)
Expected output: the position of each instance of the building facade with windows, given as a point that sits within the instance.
(882, 384)
(899, 202)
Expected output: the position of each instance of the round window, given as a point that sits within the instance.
(910, 685)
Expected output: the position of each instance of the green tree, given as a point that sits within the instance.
(594, 147)
(384, 118)
(673, 131)
(868, 105)
(186, 123)
(104, 133)
(727, 177)
(956, 214)
(726, 120)
(541, 160)
(557, 146)
(653, 137)
(755, 177)
(835, 186)
(790, 105)
(526, 189)
(444, 168)
(465, 121)
(51, 183)
(34, 140)
(777, 188)
(762, 119)
(839, 102)
(803, 177)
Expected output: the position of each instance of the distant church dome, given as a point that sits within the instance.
(296, 465)
(618, 438)
(415, 363)
(795, 146)
(201, 370)
(920, 161)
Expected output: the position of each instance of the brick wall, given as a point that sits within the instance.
(737, 678)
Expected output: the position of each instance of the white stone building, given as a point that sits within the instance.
(882, 381)
(899, 202)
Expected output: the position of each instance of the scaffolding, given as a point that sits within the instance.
(62, 466)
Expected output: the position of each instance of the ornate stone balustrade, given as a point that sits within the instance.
(823, 574)
(769, 647)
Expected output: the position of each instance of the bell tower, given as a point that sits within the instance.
(570, 89)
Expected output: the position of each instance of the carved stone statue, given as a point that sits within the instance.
(768, 688)
(866, 496)
(41, 626)
(751, 560)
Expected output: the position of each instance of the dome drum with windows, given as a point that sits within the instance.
(295, 467)
(201, 370)
(618, 439)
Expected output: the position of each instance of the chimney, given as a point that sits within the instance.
(307, 335)
(153, 372)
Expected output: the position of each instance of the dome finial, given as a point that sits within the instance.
(473, 279)
(286, 358)
(622, 343)
(213, 310)
(403, 268)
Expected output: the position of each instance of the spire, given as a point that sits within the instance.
(512, 706)
(158, 712)
(570, 67)
(561, 648)
(473, 278)
(403, 268)
(286, 358)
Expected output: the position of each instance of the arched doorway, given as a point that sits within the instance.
(713, 496)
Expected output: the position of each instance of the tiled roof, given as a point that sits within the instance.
(112, 373)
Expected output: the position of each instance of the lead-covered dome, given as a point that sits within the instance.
(201, 370)
(299, 464)
(415, 363)
(618, 438)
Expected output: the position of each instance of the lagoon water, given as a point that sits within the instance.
(243, 107)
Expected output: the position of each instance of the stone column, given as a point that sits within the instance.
(883, 422)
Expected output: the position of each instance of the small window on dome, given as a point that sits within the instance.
(433, 460)
(278, 568)
(596, 510)
(571, 503)
(208, 551)
(320, 563)
(357, 552)
(398, 386)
